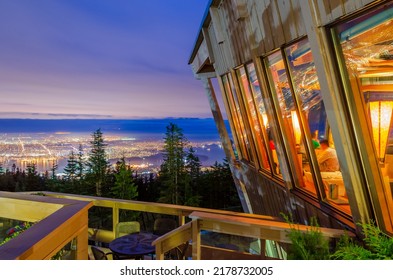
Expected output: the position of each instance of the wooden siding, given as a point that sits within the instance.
(270, 198)
(241, 31)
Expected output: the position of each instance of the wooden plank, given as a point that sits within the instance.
(273, 229)
(298, 19)
(196, 239)
(266, 24)
(323, 8)
(287, 20)
(276, 27)
(337, 8)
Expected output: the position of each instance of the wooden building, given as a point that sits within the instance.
(303, 82)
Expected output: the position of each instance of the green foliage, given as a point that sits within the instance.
(97, 163)
(310, 245)
(172, 172)
(70, 170)
(18, 229)
(193, 172)
(376, 245)
(124, 187)
(218, 189)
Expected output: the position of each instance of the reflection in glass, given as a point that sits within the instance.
(290, 120)
(252, 113)
(274, 150)
(237, 118)
(366, 44)
(306, 86)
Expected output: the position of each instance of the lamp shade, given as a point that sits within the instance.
(381, 115)
(296, 127)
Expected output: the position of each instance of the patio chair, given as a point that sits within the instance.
(164, 225)
(99, 254)
(124, 228)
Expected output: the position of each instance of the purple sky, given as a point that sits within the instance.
(99, 59)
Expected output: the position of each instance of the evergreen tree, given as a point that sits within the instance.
(193, 168)
(53, 169)
(32, 178)
(124, 187)
(80, 162)
(172, 171)
(71, 168)
(97, 162)
(218, 188)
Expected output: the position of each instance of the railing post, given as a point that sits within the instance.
(159, 252)
(115, 218)
(182, 220)
(196, 240)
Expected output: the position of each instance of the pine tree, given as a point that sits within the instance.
(71, 168)
(53, 169)
(172, 171)
(97, 163)
(32, 178)
(124, 187)
(193, 168)
(80, 162)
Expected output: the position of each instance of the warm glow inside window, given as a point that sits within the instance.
(291, 128)
(274, 149)
(316, 126)
(253, 117)
(367, 49)
(237, 119)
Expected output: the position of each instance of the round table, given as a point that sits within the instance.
(134, 245)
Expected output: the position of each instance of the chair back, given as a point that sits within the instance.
(164, 225)
(124, 228)
(98, 253)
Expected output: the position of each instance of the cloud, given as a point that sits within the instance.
(35, 115)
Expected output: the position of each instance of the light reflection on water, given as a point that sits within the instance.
(19, 150)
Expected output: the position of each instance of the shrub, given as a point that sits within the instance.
(310, 245)
(376, 245)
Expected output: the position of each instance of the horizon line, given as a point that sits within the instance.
(108, 119)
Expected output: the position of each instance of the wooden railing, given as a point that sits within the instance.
(263, 228)
(180, 211)
(254, 227)
(57, 222)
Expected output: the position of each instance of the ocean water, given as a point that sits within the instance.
(193, 128)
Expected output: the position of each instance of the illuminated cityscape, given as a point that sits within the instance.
(48, 149)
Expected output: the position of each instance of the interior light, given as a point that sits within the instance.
(296, 127)
(381, 115)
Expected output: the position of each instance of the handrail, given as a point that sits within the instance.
(180, 211)
(264, 229)
(220, 221)
(172, 240)
(51, 232)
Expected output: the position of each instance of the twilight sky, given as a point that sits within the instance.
(99, 59)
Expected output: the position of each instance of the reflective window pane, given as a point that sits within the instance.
(366, 45)
(290, 121)
(237, 119)
(306, 86)
(253, 117)
(275, 150)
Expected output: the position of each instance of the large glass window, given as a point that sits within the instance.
(237, 119)
(253, 117)
(274, 149)
(366, 45)
(316, 126)
(290, 123)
